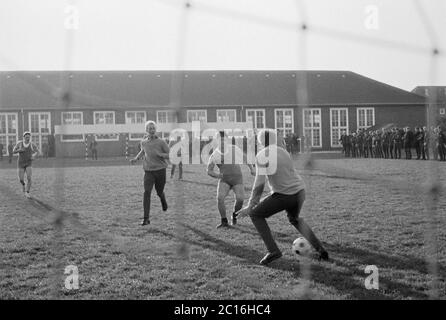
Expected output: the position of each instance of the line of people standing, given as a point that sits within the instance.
(389, 143)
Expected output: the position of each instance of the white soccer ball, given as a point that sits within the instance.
(301, 247)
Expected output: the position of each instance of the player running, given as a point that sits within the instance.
(27, 151)
(155, 162)
(288, 193)
(226, 158)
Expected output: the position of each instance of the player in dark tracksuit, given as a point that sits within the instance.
(27, 152)
(156, 155)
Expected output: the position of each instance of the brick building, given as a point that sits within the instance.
(325, 104)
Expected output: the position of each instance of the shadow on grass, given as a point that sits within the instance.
(362, 256)
(382, 260)
(345, 282)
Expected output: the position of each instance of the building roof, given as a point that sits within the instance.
(43, 89)
(428, 92)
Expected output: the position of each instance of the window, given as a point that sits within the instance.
(72, 118)
(338, 125)
(226, 115)
(365, 118)
(196, 115)
(40, 127)
(166, 116)
(284, 121)
(8, 130)
(105, 118)
(137, 118)
(257, 116)
(312, 127)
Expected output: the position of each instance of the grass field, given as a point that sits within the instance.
(182, 256)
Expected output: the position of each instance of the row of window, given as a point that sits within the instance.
(40, 122)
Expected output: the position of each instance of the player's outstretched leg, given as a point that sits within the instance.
(293, 216)
(308, 234)
(265, 209)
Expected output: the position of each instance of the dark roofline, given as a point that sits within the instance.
(281, 93)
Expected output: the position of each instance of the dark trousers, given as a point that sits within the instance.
(180, 170)
(94, 154)
(398, 146)
(418, 150)
(386, 151)
(347, 150)
(151, 178)
(10, 157)
(425, 151)
(275, 203)
(408, 151)
(441, 152)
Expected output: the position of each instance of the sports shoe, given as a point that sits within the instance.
(145, 222)
(223, 224)
(27, 195)
(270, 257)
(323, 255)
(164, 205)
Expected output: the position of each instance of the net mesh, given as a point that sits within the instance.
(303, 29)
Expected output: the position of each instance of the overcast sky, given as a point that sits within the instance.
(388, 40)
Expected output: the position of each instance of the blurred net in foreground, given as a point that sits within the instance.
(304, 29)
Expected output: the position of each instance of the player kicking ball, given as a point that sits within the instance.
(28, 152)
(230, 177)
(288, 193)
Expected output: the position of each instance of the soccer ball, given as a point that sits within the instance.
(301, 247)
